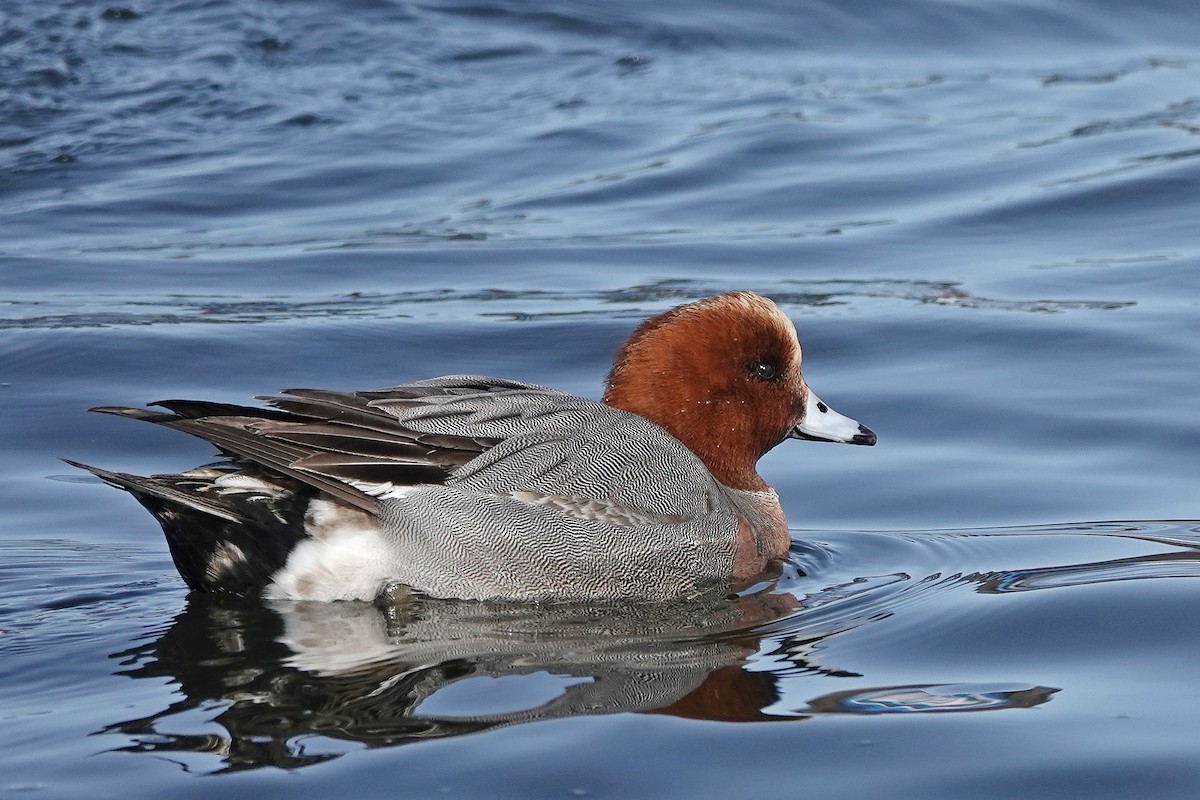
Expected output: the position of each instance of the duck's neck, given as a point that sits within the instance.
(715, 433)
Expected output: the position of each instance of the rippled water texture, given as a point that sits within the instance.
(981, 216)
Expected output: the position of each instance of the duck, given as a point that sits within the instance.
(477, 488)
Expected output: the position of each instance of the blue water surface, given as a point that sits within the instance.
(980, 215)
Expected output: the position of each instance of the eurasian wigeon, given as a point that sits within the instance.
(472, 487)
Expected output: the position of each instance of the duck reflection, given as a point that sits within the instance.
(290, 678)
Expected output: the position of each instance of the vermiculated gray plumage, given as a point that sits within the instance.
(468, 481)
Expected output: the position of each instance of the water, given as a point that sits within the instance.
(981, 217)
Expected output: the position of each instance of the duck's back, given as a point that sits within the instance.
(462, 486)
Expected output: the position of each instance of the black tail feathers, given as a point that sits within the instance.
(228, 535)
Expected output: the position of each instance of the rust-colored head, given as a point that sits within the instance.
(723, 376)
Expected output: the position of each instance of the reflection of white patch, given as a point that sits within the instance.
(344, 558)
(333, 638)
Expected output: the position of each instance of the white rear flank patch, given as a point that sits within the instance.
(344, 560)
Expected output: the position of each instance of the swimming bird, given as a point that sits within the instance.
(483, 488)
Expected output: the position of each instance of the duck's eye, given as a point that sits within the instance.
(764, 370)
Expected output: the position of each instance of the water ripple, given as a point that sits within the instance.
(75, 311)
(289, 684)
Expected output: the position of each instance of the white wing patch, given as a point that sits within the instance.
(236, 483)
(383, 491)
(251, 490)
